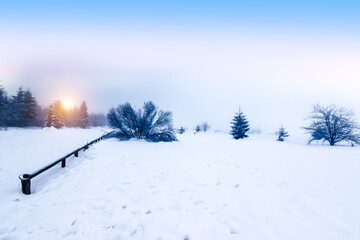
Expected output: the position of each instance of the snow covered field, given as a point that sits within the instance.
(205, 186)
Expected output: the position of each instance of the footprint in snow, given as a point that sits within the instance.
(236, 186)
(197, 202)
(148, 212)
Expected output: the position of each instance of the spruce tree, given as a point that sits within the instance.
(282, 134)
(55, 117)
(83, 116)
(239, 126)
(198, 128)
(31, 109)
(18, 109)
(4, 108)
(181, 130)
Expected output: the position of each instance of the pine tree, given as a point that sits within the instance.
(18, 109)
(198, 128)
(239, 126)
(181, 130)
(55, 117)
(83, 116)
(31, 109)
(4, 108)
(282, 134)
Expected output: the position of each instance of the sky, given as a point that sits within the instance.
(203, 60)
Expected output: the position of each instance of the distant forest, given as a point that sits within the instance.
(23, 110)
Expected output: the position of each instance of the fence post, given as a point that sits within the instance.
(63, 162)
(25, 183)
(76, 154)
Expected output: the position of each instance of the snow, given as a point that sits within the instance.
(205, 186)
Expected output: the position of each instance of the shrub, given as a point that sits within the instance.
(147, 123)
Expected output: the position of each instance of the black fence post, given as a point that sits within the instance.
(76, 154)
(25, 183)
(63, 163)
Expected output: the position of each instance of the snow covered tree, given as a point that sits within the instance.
(18, 109)
(240, 126)
(333, 124)
(24, 110)
(282, 134)
(83, 116)
(32, 109)
(147, 123)
(205, 126)
(181, 130)
(55, 117)
(4, 108)
(197, 128)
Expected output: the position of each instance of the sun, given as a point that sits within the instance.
(68, 104)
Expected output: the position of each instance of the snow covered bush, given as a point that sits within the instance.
(147, 123)
(333, 124)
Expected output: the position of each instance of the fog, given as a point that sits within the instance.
(200, 73)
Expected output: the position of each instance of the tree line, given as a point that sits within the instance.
(23, 110)
(328, 124)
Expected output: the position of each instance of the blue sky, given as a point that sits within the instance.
(324, 13)
(200, 59)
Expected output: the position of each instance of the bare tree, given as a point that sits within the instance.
(147, 123)
(333, 124)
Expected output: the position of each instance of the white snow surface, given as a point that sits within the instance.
(205, 186)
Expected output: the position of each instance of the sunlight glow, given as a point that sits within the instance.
(68, 104)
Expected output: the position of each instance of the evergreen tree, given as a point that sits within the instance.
(205, 126)
(4, 108)
(17, 116)
(181, 130)
(239, 126)
(55, 116)
(198, 128)
(282, 134)
(31, 109)
(83, 116)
